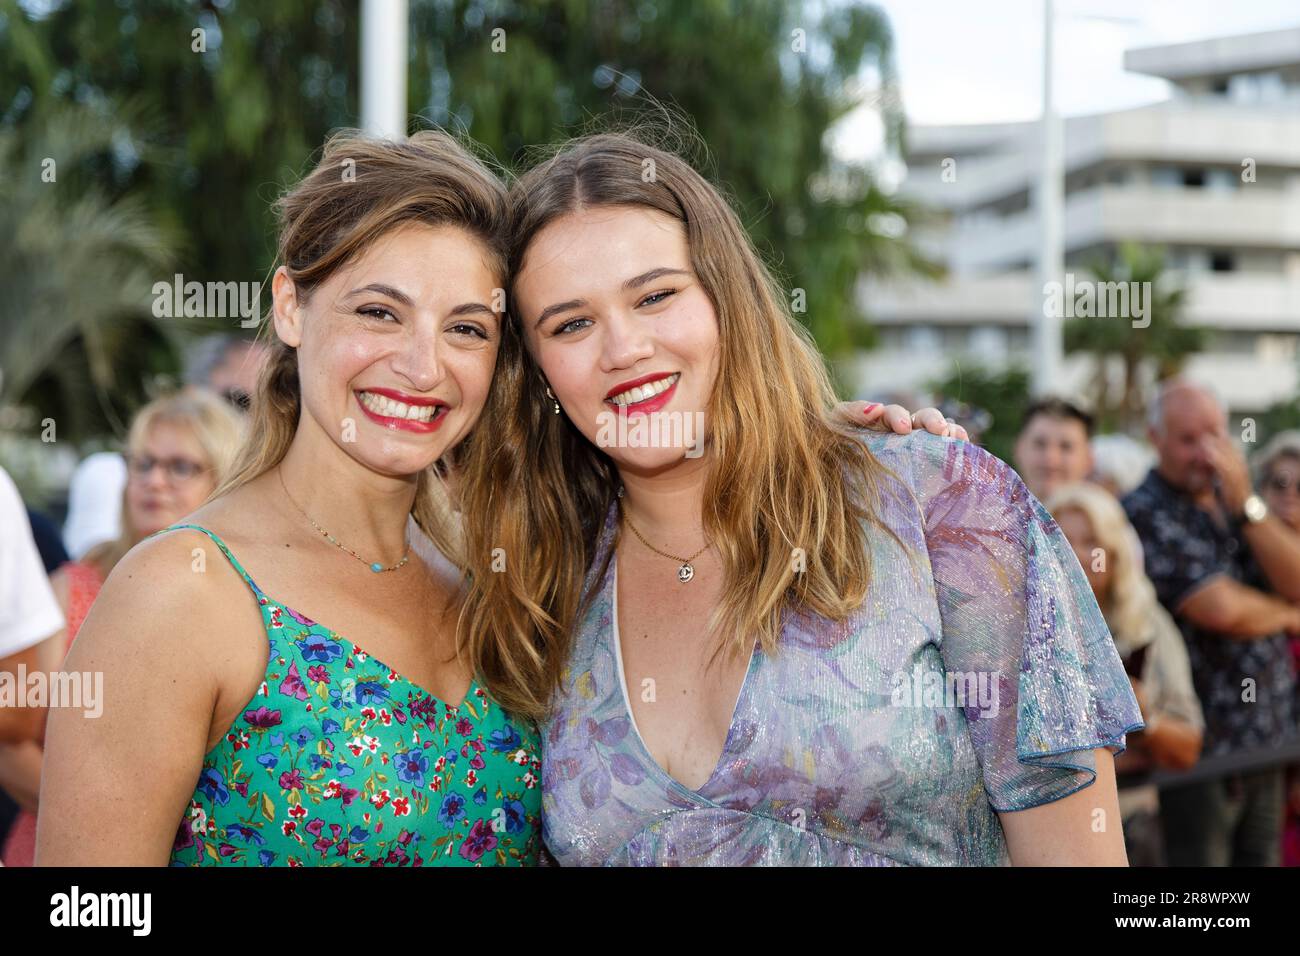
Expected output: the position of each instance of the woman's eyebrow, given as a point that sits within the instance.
(382, 289)
(631, 283)
(556, 309)
(650, 276)
(470, 308)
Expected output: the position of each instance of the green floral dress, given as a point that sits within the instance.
(338, 760)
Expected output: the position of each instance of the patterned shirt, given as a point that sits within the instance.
(338, 760)
(1246, 687)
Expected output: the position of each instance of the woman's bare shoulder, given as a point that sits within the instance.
(173, 589)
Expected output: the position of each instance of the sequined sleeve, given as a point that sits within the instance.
(1017, 609)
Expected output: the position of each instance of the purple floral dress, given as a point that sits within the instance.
(976, 678)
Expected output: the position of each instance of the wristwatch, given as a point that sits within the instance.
(1254, 509)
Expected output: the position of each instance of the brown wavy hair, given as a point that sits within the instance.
(782, 475)
(361, 189)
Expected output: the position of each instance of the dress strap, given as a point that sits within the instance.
(224, 550)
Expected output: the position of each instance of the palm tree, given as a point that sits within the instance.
(1164, 343)
(77, 270)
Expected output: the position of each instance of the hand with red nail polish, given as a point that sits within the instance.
(898, 419)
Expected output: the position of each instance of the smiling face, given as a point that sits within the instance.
(619, 323)
(1052, 452)
(396, 349)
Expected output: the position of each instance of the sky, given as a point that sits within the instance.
(980, 61)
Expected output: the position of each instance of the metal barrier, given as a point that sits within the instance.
(1211, 768)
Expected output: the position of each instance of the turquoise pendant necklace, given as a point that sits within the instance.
(374, 566)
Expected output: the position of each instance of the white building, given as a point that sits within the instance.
(1169, 174)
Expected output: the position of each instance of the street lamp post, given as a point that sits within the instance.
(1045, 325)
(1050, 196)
(383, 68)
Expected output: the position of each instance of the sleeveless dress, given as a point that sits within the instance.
(84, 582)
(338, 760)
(976, 678)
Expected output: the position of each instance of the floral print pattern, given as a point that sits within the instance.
(845, 747)
(339, 760)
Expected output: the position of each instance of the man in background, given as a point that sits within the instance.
(228, 365)
(1203, 529)
(1052, 449)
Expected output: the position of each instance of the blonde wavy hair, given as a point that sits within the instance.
(782, 475)
(1282, 445)
(1129, 602)
(216, 426)
(361, 189)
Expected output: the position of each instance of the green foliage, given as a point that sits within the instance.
(77, 338)
(1165, 343)
(223, 129)
(1283, 416)
(199, 141)
(762, 108)
(1002, 394)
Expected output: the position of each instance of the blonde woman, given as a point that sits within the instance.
(1276, 469)
(746, 649)
(1151, 647)
(179, 448)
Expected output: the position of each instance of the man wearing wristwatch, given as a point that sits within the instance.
(1214, 554)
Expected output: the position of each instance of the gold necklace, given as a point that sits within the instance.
(373, 566)
(686, 571)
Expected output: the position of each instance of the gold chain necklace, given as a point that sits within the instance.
(686, 571)
(373, 566)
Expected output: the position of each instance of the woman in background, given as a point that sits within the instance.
(1153, 652)
(1277, 476)
(179, 449)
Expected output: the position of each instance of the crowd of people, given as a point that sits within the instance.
(178, 448)
(1198, 575)
(1108, 604)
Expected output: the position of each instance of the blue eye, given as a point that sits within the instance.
(567, 327)
(656, 298)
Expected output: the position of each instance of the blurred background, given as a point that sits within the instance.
(888, 159)
(932, 181)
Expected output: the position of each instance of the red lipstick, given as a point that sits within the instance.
(404, 424)
(649, 405)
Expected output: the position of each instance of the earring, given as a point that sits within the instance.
(551, 396)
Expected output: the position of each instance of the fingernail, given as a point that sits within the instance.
(871, 406)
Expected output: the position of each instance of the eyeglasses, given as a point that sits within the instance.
(177, 470)
(1283, 483)
(239, 398)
